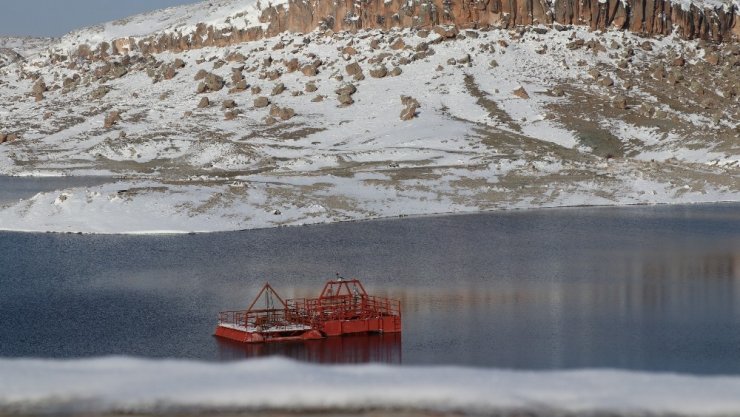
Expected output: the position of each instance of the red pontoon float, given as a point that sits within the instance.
(343, 307)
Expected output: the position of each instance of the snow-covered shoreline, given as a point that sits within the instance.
(127, 385)
(147, 207)
(310, 128)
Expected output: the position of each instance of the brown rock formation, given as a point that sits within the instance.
(111, 119)
(411, 105)
(643, 16)
(651, 17)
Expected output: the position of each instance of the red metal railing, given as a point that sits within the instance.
(260, 320)
(340, 300)
(314, 311)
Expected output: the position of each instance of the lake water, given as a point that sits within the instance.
(648, 288)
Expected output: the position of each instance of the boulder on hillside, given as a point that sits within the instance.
(309, 70)
(261, 102)
(240, 86)
(273, 75)
(398, 44)
(102, 70)
(111, 119)
(70, 83)
(39, 87)
(353, 68)
(201, 74)
(283, 113)
(345, 99)
(99, 92)
(449, 32)
(576, 44)
(278, 89)
(346, 89)
(411, 105)
(7, 138)
(712, 58)
(169, 72)
(292, 65)
(236, 75)
(214, 82)
(379, 72)
(620, 102)
(204, 102)
(236, 57)
(117, 70)
(606, 82)
(521, 93)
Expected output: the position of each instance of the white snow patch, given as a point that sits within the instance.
(139, 386)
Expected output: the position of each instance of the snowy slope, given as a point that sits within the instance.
(508, 119)
(13, 49)
(121, 385)
(236, 14)
(473, 146)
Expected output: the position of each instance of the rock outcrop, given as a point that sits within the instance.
(411, 105)
(650, 17)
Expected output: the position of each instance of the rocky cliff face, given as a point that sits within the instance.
(649, 17)
(652, 17)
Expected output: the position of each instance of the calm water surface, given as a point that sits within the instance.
(649, 288)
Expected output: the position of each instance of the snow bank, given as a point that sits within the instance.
(134, 385)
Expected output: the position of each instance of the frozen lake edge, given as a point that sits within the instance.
(119, 385)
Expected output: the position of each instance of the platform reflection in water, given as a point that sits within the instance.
(362, 348)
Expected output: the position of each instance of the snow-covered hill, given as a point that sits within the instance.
(328, 126)
(14, 49)
(219, 14)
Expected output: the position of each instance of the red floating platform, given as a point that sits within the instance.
(343, 307)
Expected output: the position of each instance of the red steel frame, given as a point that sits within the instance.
(343, 307)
